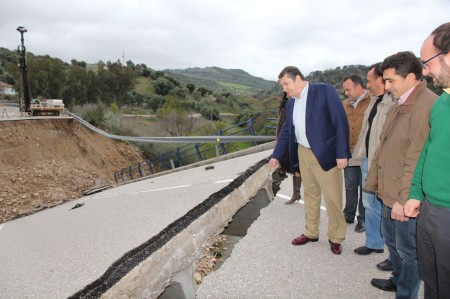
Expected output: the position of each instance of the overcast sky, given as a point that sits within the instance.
(258, 36)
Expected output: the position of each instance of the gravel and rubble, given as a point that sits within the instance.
(211, 256)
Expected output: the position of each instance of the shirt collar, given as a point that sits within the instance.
(355, 103)
(404, 96)
(447, 90)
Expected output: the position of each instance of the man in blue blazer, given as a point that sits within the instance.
(316, 135)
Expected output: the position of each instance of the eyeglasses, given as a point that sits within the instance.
(424, 63)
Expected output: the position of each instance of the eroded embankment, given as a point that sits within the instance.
(44, 162)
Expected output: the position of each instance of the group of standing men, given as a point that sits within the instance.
(393, 145)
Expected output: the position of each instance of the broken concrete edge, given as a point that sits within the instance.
(251, 150)
(182, 253)
(95, 190)
(149, 267)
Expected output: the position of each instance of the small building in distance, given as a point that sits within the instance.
(6, 89)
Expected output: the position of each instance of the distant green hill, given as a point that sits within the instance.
(223, 80)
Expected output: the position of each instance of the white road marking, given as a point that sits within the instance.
(300, 201)
(160, 189)
(223, 181)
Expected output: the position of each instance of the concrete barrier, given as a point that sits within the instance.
(171, 257)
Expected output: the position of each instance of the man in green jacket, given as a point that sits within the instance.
(430, 188)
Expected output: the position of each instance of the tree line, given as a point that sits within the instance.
(136, 85)
(108, 83)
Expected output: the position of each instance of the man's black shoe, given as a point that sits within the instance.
(384, 284)
(349, 221)
(360, 227)
(363, 250)
(385, 265)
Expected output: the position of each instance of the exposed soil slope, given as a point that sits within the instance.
(44, 163)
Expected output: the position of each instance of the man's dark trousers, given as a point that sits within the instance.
(353, 194)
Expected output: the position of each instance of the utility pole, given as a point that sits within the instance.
(25, 103)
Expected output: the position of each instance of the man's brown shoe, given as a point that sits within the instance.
(335, 247)
(302, 240)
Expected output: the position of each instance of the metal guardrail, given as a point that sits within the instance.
(9, 104)
(187, 154)
(183, 139)
(272, 119)
(197, 147)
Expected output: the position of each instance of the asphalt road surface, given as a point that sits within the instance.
(264, 264)
(58, 251)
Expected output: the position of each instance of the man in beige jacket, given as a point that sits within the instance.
(368, 141)
(402, 138)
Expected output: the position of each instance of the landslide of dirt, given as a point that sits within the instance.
(45, 162)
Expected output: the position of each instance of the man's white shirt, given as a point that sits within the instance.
(299, 117)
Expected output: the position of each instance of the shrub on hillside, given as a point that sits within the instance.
(154, 101)
(210, 112)
(94, 114)
(163, 86)
(245, 115)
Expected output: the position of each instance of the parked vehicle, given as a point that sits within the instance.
(46, 107)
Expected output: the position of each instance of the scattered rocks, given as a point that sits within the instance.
(197, 278)
(210, 255)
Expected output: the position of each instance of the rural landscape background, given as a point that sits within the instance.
(128, 98)
(132, 99)
(50, 162)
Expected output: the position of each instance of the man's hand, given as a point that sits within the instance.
(412, 208)
(341, 163)
(273, 164)
(397, 213)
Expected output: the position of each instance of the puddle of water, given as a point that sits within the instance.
(225, 248)
(238, 227)
(244, 218)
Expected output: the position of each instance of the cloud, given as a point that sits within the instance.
(258, 36)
